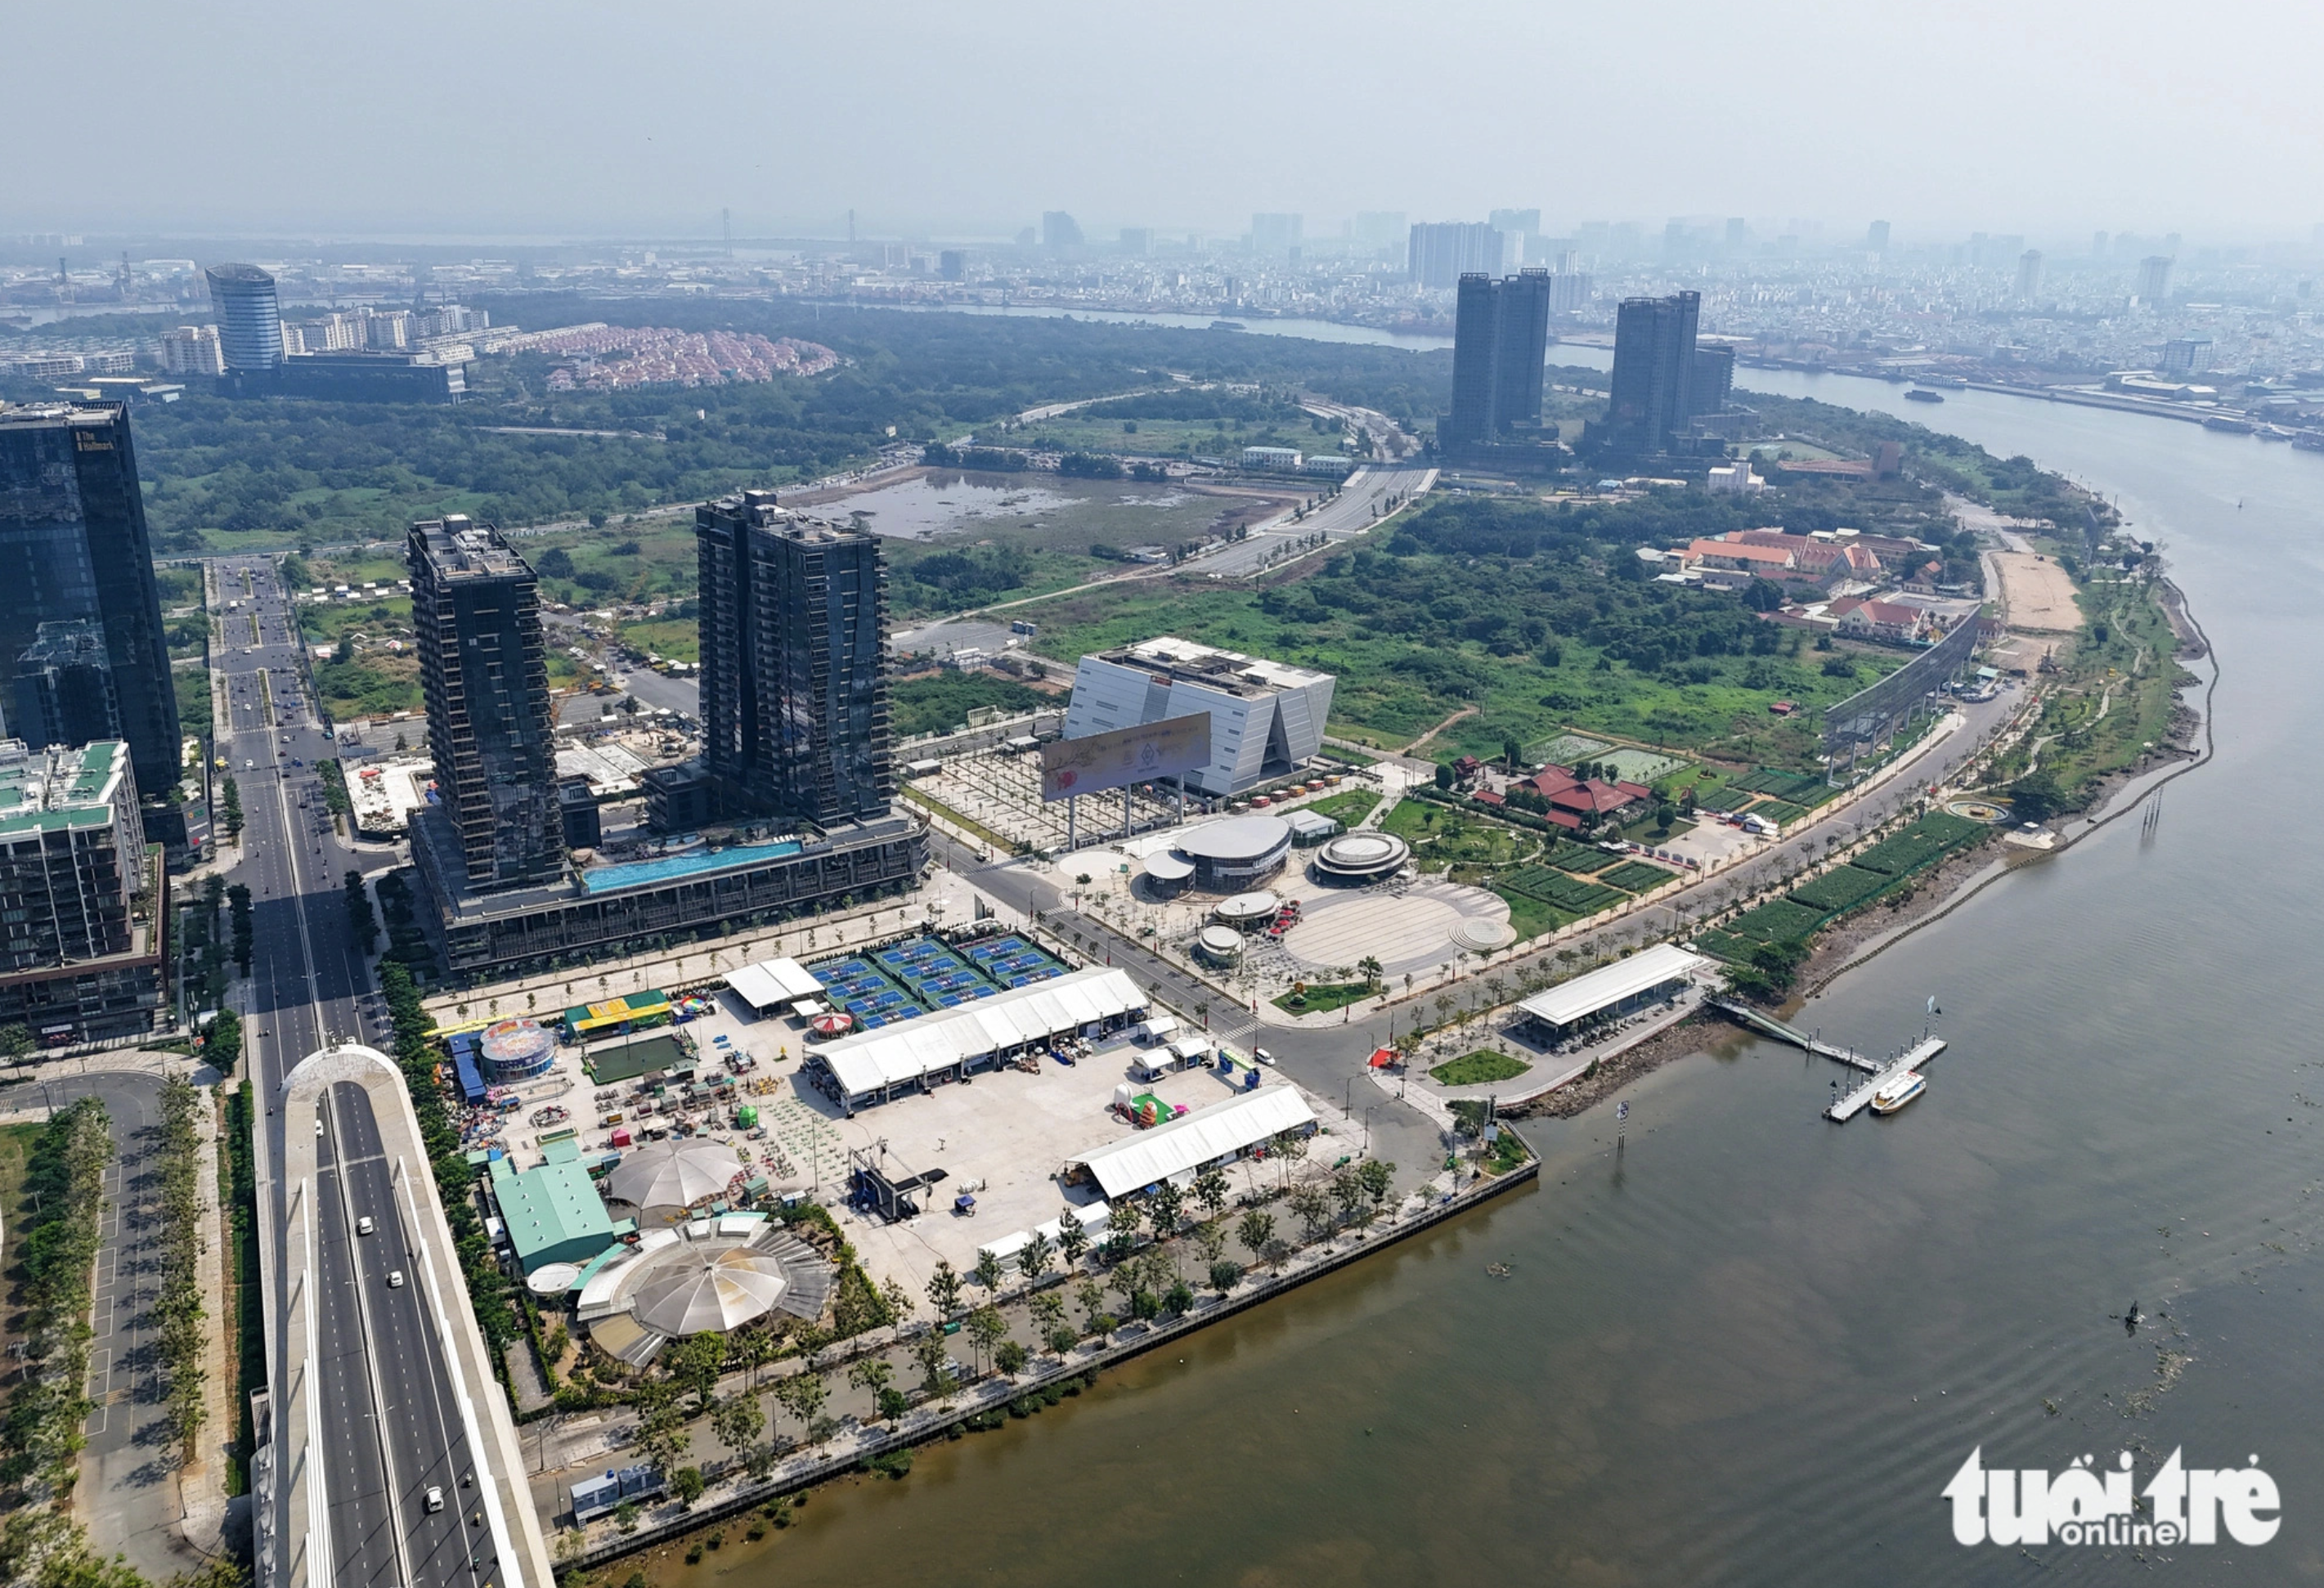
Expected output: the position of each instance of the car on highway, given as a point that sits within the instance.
(435, 1498)
(395, 1279)
(363, 1225)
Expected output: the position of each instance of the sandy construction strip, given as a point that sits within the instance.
(2037, 595)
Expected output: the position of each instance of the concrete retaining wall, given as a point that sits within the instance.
(728, 1499)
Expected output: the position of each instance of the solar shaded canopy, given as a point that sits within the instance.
(673, 1174)
(722, 1290)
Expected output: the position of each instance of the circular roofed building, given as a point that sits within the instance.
(1362, 857)
(673, 1174)
(1233, 855)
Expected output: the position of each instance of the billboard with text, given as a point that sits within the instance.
(1166, 749)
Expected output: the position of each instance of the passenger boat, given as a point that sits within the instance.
(1899, 1092)
(1918, 395)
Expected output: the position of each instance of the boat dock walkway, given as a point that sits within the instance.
(1768, 1025)
(1853, 1102)
(1881, 1070)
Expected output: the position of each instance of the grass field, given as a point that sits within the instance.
(1393, 688)
(677, 639)
(942, 700)
(1475, 1069)
(1530, 916)
(1347, 808)
(1324, 997)
(1809, 908)
(1447, 840)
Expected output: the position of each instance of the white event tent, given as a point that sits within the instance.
(870, 1065)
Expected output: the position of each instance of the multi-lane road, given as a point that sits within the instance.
(386, 1389)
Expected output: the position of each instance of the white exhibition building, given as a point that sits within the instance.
(1267, 717)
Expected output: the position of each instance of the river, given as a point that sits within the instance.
(1748, 1346)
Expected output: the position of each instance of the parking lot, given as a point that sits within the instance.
(1010, 1133)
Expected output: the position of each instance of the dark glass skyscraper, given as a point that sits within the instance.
(476, 611)
(1500, 338)
(249, 317)
(1653, 372)
(794, 686)
(80, 616)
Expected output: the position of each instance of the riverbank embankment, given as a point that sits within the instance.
(855, 1448)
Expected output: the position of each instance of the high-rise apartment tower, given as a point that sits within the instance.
(475, 609)
(1653, 372)
(77, 569)
(1501, 336)
(794, 683)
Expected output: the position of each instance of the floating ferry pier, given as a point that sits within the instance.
(1881, 1070)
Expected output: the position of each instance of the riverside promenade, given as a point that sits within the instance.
(860, 1442)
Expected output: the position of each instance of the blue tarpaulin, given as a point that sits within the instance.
(471, 1085)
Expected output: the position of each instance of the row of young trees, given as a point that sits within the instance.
(488, 1288)
(42, 1436)
(178, 1311)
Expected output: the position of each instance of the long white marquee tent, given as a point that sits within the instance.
(1214, 1131)
(871, 1061)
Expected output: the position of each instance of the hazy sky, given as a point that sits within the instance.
(518, 117)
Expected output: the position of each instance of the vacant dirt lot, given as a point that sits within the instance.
(2037, 595)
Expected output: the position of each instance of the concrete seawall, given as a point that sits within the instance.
(842, 1455)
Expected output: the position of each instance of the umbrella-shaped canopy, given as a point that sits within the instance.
(673, 1174)
(722, 1290)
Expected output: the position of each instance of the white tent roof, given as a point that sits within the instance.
(795, 978)
(1584, 995)
(673, 1174)
(772, 982)
(1007, 1247)
(1192, 1139)
(755, 987)
(721, 1291)
(904, 1052)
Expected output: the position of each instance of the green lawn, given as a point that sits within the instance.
(1444, 839)
(1322, 997)
(1346, 809)
(1530, 918)
(1475, 1069)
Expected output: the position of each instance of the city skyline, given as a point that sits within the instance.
(2058, 119)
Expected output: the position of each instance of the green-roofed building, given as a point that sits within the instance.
(81, 897)
(551, 1214)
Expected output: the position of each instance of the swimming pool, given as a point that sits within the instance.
(639, 873)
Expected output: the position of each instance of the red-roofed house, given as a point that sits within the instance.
(1879, 620)
(1739, 556)
(1566, 792)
